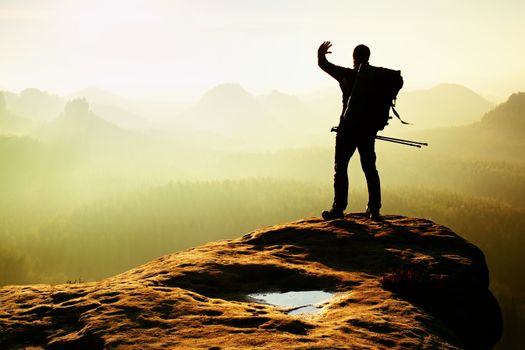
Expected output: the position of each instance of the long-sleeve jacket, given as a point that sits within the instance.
(344, 76)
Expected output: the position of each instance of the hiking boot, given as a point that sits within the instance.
(373, 213)
(332, 214)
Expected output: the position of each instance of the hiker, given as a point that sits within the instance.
(355, 131)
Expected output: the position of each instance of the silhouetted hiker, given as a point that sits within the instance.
(354, 132)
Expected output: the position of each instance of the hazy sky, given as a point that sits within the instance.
(162, 48)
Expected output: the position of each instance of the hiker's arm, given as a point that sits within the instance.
(334, 71)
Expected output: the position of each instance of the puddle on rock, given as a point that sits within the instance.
(298, 303)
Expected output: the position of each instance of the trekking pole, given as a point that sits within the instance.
(387, 138)
(402, 141)
(394, 140)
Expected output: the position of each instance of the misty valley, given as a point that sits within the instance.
(94, 184)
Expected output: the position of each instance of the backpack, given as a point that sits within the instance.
(374, 92)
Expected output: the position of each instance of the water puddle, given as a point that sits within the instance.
(297, 303)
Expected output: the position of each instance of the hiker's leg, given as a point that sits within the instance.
(366, 147)
(344, 148)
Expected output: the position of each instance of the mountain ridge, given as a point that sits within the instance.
(496, 136)
(442, 105)
(508, 116)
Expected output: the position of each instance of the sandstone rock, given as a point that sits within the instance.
(399, 283)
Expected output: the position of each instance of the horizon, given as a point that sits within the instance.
(161, 50)
(198, 95)
(130, 111)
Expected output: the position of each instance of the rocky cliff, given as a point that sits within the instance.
(399, 283)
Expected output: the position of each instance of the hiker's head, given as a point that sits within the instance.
(361, 55)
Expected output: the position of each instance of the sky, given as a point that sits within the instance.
(181, 48)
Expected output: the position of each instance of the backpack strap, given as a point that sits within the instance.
(397, 114)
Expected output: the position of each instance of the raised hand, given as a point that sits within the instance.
(324, 47)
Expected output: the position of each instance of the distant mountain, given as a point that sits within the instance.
(287, 109)
(508, 117)
(237, 108)
(34, 104)
(231, 111)
(279, 102)
(41, 106)
(95, 95)
(499, 135)
(113, 108)
(242, 120)
(77, 126)
(304, 124)
(120, 117)
(442, 105)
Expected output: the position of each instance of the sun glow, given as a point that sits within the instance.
(183, 47)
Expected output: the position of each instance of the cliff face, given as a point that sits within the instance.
(399, 283)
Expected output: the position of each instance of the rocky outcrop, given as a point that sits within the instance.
(399, 283)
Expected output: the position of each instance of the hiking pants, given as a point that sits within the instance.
(346, 142)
